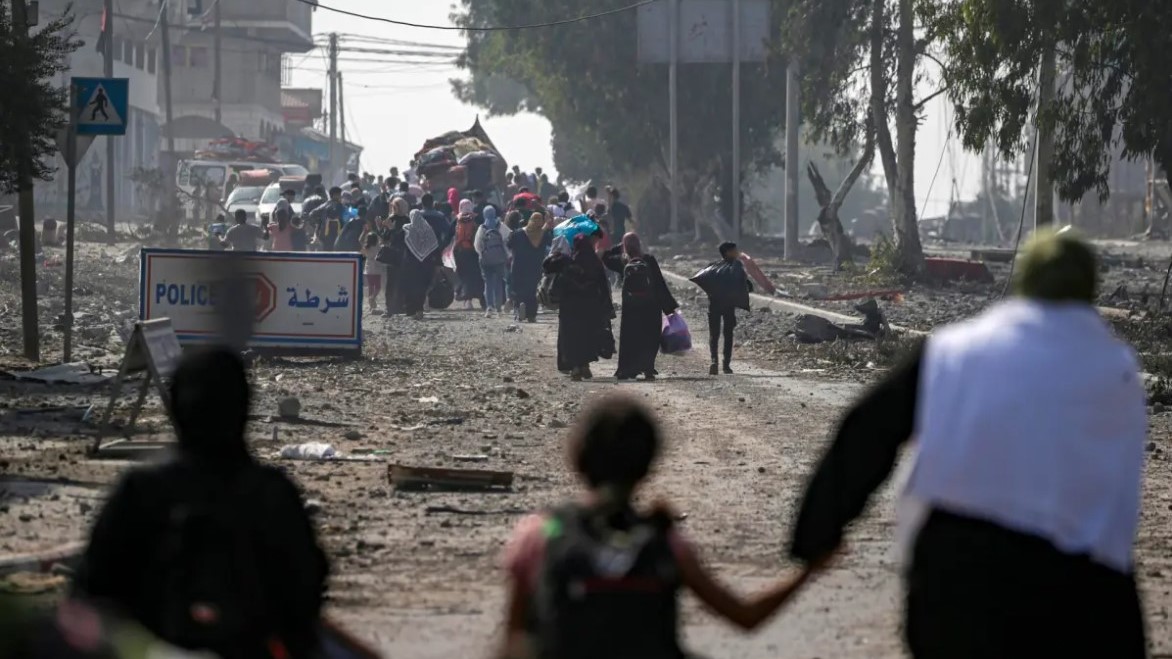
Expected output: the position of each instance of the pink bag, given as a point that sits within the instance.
(675, 339)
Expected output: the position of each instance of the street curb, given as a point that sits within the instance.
(41, 561)
(796, 308)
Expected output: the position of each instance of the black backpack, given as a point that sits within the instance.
(607, 593)
(210, 572)
(637, 279)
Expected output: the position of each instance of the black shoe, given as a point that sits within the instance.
(727, 369)
(586, 373)
(623, 377)
(649, 377)
(714, 369)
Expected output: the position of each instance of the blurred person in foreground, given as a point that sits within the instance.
(1019, 514)
(211, 550)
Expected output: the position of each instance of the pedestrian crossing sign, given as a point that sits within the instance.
(101, 105)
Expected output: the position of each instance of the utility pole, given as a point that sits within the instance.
(673, 120)
(342, 113)
(165, 34)
(1044, 194)
(218, 84)
(793, 168)
(736, 120)
(26, 206)
(333, 108)
(108, 71)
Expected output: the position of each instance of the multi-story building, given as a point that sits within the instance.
(254, 35)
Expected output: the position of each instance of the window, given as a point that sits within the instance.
(178, 56)
(139, 54)
(128, 52)
(150, 60)
(199, 57)
(117, 47)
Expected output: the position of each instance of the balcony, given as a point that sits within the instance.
(285, 24)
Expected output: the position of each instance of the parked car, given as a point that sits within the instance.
(272, 194)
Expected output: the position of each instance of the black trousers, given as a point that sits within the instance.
(977, 590)
(720, 318)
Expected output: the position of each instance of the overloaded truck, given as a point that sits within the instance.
(465, 160)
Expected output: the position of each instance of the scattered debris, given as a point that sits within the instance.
(75, 373)
(470, 458)
(954, 269)
(289, 407)
(434, 510)
(309, 451)
(428, 478)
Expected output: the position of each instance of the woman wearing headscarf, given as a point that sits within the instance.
(419, 264)
(646, 299)
(1019, 513)
(453, 198)
(529, 247)
(393, 238)
(585, 309)
(492, 240)
(470, 281)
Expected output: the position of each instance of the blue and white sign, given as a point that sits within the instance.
(101, 105)
(304, 302)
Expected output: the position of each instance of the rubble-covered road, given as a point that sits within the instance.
(417, 572)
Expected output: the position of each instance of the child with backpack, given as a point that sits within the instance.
(491, 245)
(596, 577)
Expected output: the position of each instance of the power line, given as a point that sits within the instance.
(494, 28)
(362, 38)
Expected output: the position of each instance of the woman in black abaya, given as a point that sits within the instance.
(392, 237)
(585, 308)
(646, 299)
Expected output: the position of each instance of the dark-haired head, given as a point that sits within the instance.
(427, 200)
(615, 445)
(209, 402)
(563, 196)
(728, 250)
(591, 192)
(404, 186)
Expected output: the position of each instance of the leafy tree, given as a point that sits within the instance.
(34, 108)
(1113, 89)
(609, 113)
(850, 52)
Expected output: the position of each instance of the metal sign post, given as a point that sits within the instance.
(97, 106)
(70, 219)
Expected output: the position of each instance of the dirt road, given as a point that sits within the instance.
(423, 583)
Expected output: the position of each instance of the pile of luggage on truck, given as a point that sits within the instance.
(465, 160)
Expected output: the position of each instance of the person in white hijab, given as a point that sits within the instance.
(419, 265)
(1020, 512)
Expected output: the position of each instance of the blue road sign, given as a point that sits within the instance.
(101, 105)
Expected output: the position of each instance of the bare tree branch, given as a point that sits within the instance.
(931, 97)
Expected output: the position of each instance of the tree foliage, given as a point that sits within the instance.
(609, 113)
(1114, 91)
(33, 105)
(861, 61)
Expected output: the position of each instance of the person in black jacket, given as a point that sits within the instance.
(210, 551)
(722, 309)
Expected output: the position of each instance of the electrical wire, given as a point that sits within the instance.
(494, 28)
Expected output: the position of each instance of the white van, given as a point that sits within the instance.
(190, 172)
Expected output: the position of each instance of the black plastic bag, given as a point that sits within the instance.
(441, 295)
(725, 283)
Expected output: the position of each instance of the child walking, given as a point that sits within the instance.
(732, 291)
(373, 269)
(597, 577)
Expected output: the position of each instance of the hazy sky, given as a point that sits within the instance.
(392, 108)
